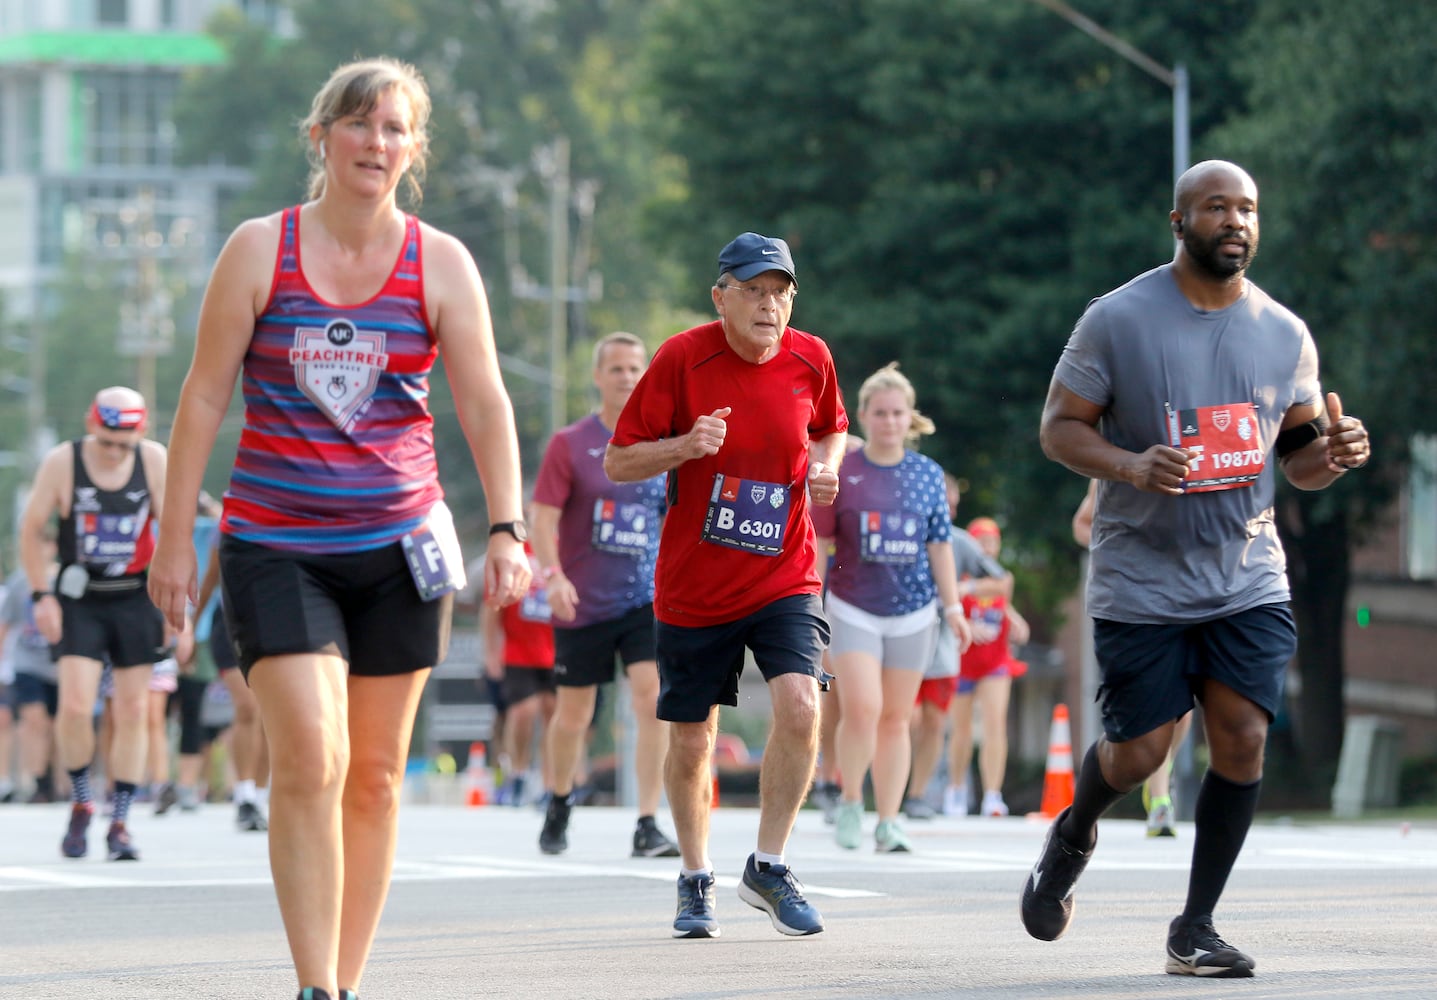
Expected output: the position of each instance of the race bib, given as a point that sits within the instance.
(432, 552)
(985, 618)
(622, 528)
(534, 605)
(107, 540)
(1229, 453)
(892, 537)
(747, 514)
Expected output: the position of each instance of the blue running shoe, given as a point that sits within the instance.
(776, 892)
(695, 918)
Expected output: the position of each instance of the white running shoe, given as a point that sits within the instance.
(993, 804)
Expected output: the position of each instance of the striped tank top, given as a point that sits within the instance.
(337, 452)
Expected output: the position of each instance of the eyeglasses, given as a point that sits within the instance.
(758, 293)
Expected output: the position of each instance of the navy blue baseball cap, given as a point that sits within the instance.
(750, 254)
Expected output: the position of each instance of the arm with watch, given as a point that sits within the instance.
(563, 597)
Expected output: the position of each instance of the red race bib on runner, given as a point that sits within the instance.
(1229, 453)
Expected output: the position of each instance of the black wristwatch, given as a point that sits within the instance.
(518, 529)
(35, 595)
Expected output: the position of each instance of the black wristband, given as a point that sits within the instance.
(1296, 438)
(35, 595)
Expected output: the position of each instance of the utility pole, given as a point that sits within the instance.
(558, 283)
(566, 262)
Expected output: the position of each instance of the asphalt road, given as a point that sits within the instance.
(476, 911)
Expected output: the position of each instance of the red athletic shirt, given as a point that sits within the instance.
(982, 659)
(778, 407)
(528, 634)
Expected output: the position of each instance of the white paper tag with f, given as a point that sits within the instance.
(432, 551)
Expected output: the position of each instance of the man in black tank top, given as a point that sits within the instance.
(105, 489)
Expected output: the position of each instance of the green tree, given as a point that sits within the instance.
(1341, 140)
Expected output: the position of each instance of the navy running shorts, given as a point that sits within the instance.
(1152, 674)
(30, 689)
(700, 667)
(362, 605)
(585, 656)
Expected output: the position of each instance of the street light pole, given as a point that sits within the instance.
(1175, 78)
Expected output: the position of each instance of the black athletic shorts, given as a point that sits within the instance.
(1152, 674)
(584, 656)
(700, 667)
(122, 627)
(362, 604)
(520, 683)
(222, 651)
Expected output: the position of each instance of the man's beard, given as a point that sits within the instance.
(1208, 255)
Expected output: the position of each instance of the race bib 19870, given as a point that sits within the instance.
(1229, 452)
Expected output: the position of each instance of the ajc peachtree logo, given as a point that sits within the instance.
(338, 368)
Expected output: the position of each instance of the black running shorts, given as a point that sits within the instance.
(363, 604)
(123, 627)
(585, 656)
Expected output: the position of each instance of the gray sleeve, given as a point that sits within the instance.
(1308, 386)
(1085, 365)
(13, 610)
(971, 560)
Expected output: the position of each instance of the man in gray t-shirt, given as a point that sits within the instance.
(1181, 393)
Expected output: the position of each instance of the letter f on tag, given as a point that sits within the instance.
(432, 558)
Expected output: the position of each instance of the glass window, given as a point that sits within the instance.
(128, 118)
(112, 13)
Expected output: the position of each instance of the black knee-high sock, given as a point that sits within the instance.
(1222, 814)
(1092, 796)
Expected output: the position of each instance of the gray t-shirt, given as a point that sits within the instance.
(27, 648)
(971, 561)
(1162, 368)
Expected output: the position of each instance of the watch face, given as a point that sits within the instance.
(518, 529)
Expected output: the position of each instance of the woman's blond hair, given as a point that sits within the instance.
(889, 377)
(354, 89)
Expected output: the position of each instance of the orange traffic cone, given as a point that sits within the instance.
(1058, 780)
(478, 777)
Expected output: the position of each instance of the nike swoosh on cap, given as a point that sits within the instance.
(767, 252)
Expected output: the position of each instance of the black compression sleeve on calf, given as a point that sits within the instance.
(1296, 438)
(1222, 814)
